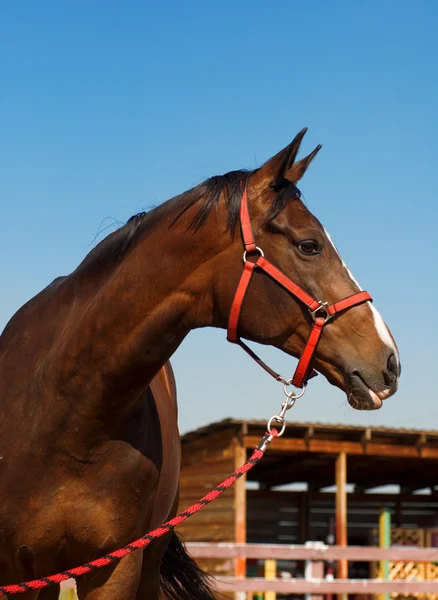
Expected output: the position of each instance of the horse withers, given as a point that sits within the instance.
(89, 440)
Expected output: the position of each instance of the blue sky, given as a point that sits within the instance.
(108, 108)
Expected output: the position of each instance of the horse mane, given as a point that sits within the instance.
(207, 194)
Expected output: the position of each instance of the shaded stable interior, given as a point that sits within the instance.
(265, 507)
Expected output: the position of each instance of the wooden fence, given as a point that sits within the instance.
(318, 553)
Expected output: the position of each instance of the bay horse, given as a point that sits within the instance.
(89, 442)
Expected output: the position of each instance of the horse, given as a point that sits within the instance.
(89, 441)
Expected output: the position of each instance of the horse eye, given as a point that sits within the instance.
(308, 247)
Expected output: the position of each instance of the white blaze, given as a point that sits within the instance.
(379, 323)
(342, 261)
(383, 331)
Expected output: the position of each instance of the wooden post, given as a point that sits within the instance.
(384, 542)
(240, 513)
(270, 573)
(314, 569)
(341, 514)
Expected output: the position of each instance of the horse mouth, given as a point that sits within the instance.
(361, 396)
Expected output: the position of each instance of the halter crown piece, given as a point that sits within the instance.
(321, 312)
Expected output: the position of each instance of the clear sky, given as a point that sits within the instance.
(108, 108)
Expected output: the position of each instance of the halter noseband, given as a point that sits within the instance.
(321, 312)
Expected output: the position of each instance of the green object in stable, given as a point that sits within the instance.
(384, 542)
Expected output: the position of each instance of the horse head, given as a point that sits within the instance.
(355, 351)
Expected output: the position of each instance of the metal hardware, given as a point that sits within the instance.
(256, 249)
(292, 394)
(321, 312)
(285, 406)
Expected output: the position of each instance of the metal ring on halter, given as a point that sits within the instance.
(256, 249)
(279, 420)
(292, 394)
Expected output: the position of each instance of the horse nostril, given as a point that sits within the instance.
(392, 366)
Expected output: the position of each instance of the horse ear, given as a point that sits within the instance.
(280, 164)
(297, 170)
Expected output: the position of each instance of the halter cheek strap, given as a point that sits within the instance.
(321, 312)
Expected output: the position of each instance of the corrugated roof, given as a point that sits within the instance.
(294, 427)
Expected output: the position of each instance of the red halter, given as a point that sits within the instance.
(321, 312)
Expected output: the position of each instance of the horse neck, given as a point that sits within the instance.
(135, 313)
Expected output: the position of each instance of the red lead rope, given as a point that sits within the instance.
(321, 312)
(146, 539)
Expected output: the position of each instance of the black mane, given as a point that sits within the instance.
(208, 193)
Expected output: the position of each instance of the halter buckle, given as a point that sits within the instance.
(321, 312)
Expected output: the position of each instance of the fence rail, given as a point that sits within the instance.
(318, 552)
(323, 586)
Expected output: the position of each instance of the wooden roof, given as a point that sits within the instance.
(306, 453)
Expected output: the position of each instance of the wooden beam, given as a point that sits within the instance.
(341, 511)
(336, 446)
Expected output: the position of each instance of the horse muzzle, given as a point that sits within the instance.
(367, 391)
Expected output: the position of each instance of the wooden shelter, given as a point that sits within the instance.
(262, 508)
